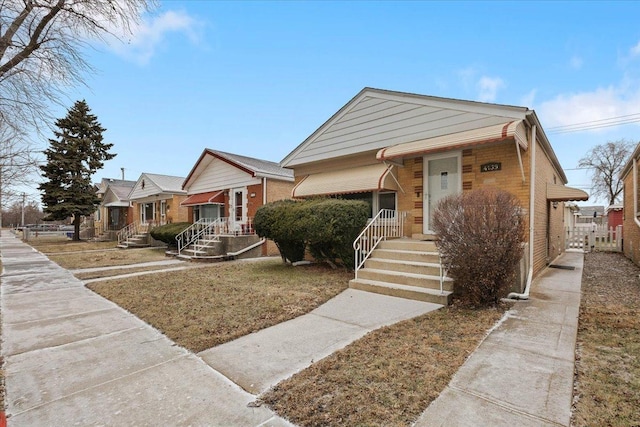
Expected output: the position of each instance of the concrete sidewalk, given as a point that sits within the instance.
(74, 358)
(522, 373)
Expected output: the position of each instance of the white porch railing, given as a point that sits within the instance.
(193, 233)
(133, 229)
(387, 223)
(213, 227)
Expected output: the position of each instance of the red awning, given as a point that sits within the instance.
(204, 198)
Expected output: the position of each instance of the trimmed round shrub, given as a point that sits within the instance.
(167, 233)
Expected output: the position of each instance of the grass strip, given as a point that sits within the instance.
(389, 376)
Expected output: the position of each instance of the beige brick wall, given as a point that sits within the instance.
(631, 231)
(278, 190)
(176, 212)
(549, 225)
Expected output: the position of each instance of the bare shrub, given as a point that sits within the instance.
(481, 235)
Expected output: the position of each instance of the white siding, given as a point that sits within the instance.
(379, 120)
(220, 175)
(150, 189)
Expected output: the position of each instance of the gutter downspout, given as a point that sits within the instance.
(635, 192)
(532, 205)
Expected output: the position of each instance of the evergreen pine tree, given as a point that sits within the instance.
(72, 158)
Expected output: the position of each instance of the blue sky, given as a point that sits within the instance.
(257, 78)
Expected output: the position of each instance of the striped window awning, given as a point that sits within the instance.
(562, 193)
(204, 198)
(514, 130)
(354, 180)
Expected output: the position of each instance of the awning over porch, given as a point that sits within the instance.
(514, 130)
(355, 180)
(562, 193)
(117, 205)
(204, 198)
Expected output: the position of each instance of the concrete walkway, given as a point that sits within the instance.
(74, 358)
(522, 373)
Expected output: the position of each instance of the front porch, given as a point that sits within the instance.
(216, 239)
(389, 263)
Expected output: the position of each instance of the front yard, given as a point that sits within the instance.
(391, 375)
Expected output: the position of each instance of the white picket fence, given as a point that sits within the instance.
(594, 238)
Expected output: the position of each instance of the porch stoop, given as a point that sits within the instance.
(405, 268)
(135, 241)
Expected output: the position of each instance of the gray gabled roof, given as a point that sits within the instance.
(260, 167)
(167, 183)
(106, 182)
(254, 167)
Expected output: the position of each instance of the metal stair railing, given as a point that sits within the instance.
(193, 232)
(126, 232)
(216, 227)
(387, 223)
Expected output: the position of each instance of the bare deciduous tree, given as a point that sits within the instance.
(41, 49)
(606, 162)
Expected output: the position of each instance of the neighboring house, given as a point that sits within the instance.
(156, 199)
(631, 215)
(230, 187)
(614, 214)
(571, 213)
(591, 214)
(405, 152)
(115, 210)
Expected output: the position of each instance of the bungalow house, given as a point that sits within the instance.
(630, 212)
(155, 200)
(114, 212)
(403, 153)
(224, 191)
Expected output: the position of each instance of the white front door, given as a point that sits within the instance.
(441, 179)
(238, 205)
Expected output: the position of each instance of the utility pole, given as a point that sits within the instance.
(22, 219)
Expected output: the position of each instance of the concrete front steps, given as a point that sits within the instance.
(135, 241)
(405, 268)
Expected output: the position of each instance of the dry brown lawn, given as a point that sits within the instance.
(49, 245)
(203, 307)
(107, 258)
(386, 378)
(607, 389)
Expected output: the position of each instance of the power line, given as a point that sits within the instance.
(595, 124)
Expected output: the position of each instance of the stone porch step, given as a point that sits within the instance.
(402, 266)
(402, 291)
(409, 279)
(408, 245)
(406, 255)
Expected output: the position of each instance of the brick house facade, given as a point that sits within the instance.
(410, 150)
(228, 185)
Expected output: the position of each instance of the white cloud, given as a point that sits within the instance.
(146, 37)
(589, 107)
(488, 88)
(635, 50)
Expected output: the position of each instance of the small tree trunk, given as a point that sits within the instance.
(76, 228)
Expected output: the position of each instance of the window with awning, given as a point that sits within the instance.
(377, 177)
(204, 198)
(512, 130)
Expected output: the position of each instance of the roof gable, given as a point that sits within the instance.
(376, 119)
(249, 165)
(151, 184)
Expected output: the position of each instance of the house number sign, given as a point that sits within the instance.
(491, 167)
